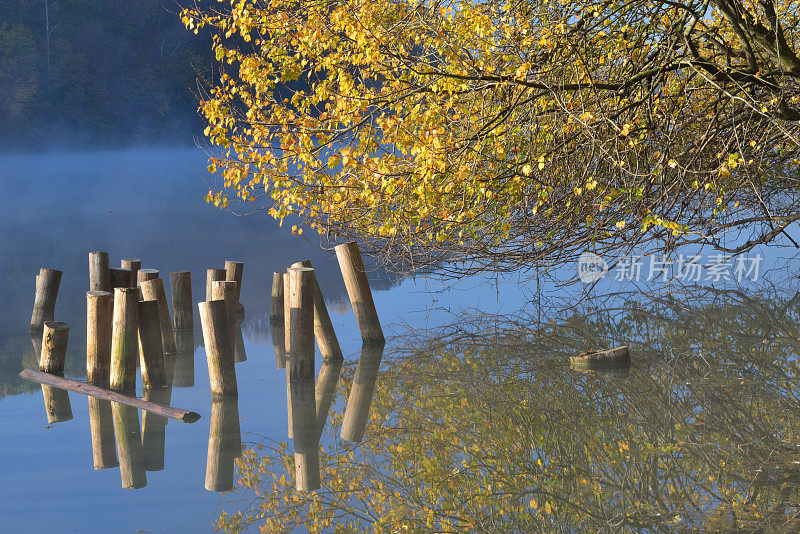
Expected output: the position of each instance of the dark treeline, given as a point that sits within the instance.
(80, 72)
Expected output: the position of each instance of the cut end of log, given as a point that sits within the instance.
(618, 356)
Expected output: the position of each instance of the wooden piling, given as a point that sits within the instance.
(219, 354)
(99, 276)
(142, 275)
(54, 347)
(122, 278)
(226, 291)
(44, 304)
(233, 273)
(124, 338)
(224, 444)
(278, 343)
(56, 404)
(355, 280)
(301, 323)
(99, 312)
(239, 352)
(184, 360)
(286, 314)
(306, 436)
(276, 302)
(154, 430)
(133, 265)
(153, 289)
(180, 284)
(356, 414)
(129, 446)
(150, 348)
(101, 424)
(323, 327)
(213, 275)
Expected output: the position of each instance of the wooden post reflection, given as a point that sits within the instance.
(129, 446)
(154, 430)
(306, 435)
(104, 452)
(184, 360)
(224, 444)
(325, 392)
(358, 403)
(56, 404)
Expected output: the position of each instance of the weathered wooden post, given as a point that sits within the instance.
(184, 360)
(129, 445)
(54, 347)
(99, 312)
(325, 391)
(133, 265)
(356, 414)
(213, 275)
(239, 353)
(278, 343)
(286, 313)
(221, 371)
(122, 278)
(99, 277)
(226, 291)
(104, 453)
(180, 284)
(44, 305)
(150, 349)
(56, 404)
(154, 430)
(355, 280)
(300, 366)
(124, 338)
(306, 436)
(153, 289)
(233, 273)
(224, 444)
(323, 327)
(142, 275)
(276, 301)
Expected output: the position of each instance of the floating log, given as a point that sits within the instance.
(129, 446)
(180, 285)
(132, 264)
(219, 349)
(213, 275)
(184, 360)
(124, 338)
(225, 290)
(54, 347)
(356, 414)
(224, 444)
(150, 348)
(276, 302)
(99, 276)
(323, 327)
(99, 312)
(618, 356)
(277, 333)
(122, 278)
(101, 424)
(153, 289)
(56, 404)
(154, 430)
(142, 275)
(184, 416)
(301, 323)
(325, 391)
(306, 436)
(355, 280)
(233, 273)
(44, 305)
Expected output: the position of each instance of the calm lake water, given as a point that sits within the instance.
(473, 419)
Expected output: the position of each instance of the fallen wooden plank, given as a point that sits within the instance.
(615, 356)
(94, 391)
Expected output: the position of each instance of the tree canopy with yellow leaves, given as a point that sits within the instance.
(509, 133)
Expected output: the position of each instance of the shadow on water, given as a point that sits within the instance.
(482, 426)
